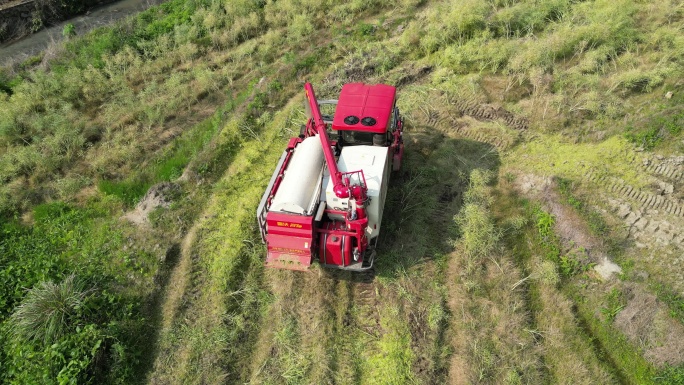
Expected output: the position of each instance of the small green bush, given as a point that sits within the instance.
(670, 375)
(8, 82)
(614, 304)
(69, 31)
(648, 138)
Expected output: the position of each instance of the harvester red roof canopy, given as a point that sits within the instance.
(363, 107)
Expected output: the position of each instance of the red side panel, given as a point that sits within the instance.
(362, 100)
(335, 248)
(289, 241)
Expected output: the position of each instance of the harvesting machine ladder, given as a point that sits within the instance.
(326, 197)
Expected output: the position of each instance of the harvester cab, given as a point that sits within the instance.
(326, 197)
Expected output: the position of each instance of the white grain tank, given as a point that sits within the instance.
(375, 163)
(300, 189)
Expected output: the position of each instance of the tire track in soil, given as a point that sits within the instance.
(364, 295)
(343, 349)
(645, 199)
(672, 172)
(488, 112)
(449, 120)
(357, 326)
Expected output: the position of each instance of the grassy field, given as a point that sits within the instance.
(543, 150)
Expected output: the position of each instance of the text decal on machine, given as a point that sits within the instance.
(288, 224)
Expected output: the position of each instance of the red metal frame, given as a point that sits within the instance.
(294, 240)
(290, 149)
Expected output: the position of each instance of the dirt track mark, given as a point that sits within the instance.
(451, 123)
(356, 325)
(364, 295)
(412, 75)
(452, 113)
(488, 112)
(471, 133)
(671, 168)
(645, 199)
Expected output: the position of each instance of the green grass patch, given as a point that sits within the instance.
(72, 263)
(615, 302)
(656, 130)
(90, 49)
(176, 158)
(674, 301)
(659, 125)
(555, 155)
(8, 82)
(670, 375)
(166, 17)
(392, 364)
(150, 24)
(129, 191)
(647, 138)
(186, 148)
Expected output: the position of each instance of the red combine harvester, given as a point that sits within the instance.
(333, 214)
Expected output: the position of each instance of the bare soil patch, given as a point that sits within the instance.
(159, 195)
(570, 227)
(646, 322)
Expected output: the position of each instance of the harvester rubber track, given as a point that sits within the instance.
(672, 171)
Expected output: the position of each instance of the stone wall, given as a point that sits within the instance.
(18, 19)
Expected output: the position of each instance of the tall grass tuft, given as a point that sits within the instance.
(48, 309)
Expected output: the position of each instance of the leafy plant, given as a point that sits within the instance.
(128, 191)
(569, 265)
(648, 138)
(545, 222)
(365, 29)
(670, 375)
(69, 30)
(614, 304)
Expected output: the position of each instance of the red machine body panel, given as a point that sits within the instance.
(290, 239)
(361, 101)
(335, 245)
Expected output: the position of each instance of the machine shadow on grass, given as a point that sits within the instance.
(147, 337)
(423, 198)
